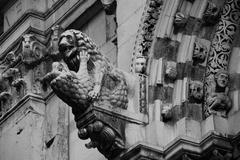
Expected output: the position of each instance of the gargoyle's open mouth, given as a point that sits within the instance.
(70, 56)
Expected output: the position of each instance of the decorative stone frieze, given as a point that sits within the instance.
(146, 30)
(143, 93)
(219, 55)
(33, 51)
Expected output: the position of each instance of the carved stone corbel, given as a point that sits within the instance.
(218, 100)
(5, 102)
(33, 51)
(180, 20)
(20, 85)
(171, 70)
(166, 112)
(103, 137)
(211, 14)
(87, 93)
(196, 92)
(199, 52)
(140, 65)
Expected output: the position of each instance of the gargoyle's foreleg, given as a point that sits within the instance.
(84, 57)
(98, 76)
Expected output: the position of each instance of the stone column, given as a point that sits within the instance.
(218, 59)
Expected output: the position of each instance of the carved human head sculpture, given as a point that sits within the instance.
(196, 91)
(171, 70)
(140, 65)
(199, 52)
(222, 78)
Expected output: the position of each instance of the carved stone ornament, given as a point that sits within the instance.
(218, 99)
(109, 6)
(85, 79)
(140, 64)
(219, 55)
(146, 30)
(53, 48)
(180, 20)
(196, 92)
(211, 14)
(171, 70)
(166, 112)
(199, 52)
(33, 51)
(217, 155)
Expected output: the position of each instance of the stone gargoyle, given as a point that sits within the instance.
(85, 78)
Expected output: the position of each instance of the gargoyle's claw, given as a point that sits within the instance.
(93, 95)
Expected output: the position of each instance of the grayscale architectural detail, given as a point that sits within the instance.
(119, 80)
(220, 51)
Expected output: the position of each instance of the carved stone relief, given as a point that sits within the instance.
(106, 139)
(217, 155)
(146, 30)
(200, 52)
(171, 70)
(180, 20)
(220, 51)
(218, 100)
(166, 112)
(196, 91)
(140, 65)
(53, 48)
(7, 79)
(33, 51)
(84, 79)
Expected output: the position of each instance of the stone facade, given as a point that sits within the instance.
(119, 80)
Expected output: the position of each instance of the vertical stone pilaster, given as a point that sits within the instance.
(221, 47)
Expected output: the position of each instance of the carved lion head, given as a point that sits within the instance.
(71, 44)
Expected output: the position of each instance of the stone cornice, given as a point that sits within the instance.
(31, 13)
(180, 146)
(42, 17)
(24, 100)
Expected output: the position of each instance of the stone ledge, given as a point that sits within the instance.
(24, 100)
(178, 148)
